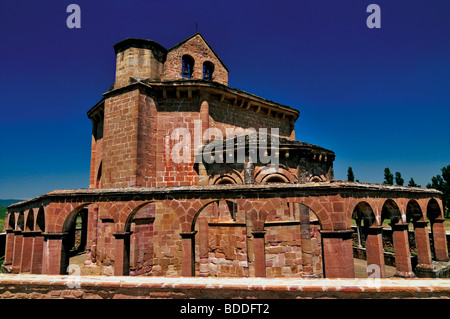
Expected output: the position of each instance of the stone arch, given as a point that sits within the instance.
(40, 220)
(11, 223)
(321, 210)
(390, 210)
(316, 174)
(364, 217)
(68, 234)
(364, 212)
(292, 240)
(208, 70)
(187, 66)
(232, 205)
(435, 215)
(433, 209)
(20, 221)
(414, 212)
(263, 174)
(215, 234)
(231, 176)
(370, 237)
(138, 239)
(29, 222)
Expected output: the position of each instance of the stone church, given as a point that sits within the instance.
(191, 177)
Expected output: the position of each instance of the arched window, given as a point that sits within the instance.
(187, 66)
(208, 70)
(275, 179)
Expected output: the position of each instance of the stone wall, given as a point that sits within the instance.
(93, 287)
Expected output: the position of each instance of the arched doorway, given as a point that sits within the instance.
(293, 243)
(220, 240)
(370, 237)
(400, 239)
(139, 244)
(74, 236)
(438, 234)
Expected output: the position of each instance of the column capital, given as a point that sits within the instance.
(121, 235)
(30, 233)
(189, 235)
(375, 230)
(344, 233)
(438, 220)
(420, 224)
(55, 235)
(259, 233)
(399, 227)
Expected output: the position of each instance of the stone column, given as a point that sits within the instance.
(260, 254)
(302, 171)
(358, 232)
(203, 246)
(121, 262)
(439, 239)
(17, 258)
(338, 253)
(307, 261)
(9, 249)
(423, 244)
(401, 251)
(55, 254)
(27, 251)
(36, 257)
(249, 171)
(375, 252)
(188, 246)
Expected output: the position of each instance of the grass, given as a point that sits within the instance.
(2, 218)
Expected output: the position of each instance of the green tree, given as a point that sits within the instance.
(398, 179)
(412, 183)
(350, 175)
(442, 183)
(388, 177)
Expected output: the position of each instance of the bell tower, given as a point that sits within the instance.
(139, 59)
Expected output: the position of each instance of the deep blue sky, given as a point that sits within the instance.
(377, 97)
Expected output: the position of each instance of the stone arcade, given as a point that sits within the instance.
(145, 214)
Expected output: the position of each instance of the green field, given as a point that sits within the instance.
(2, 218)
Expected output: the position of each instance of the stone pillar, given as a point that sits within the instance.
(203, 246)
(302, 171)
(401, 251)
(9, 249)
(27, 251)
(307, 251)
(260, 254)
(54, 254)
(36, 257)
(122, 246)
(338, 253)
(358, 232)
(375, 252)
(17, 258)
(249, 171)
(423, 244)
(439, 239)
(188, 246)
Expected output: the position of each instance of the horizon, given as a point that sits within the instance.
(376, 97)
